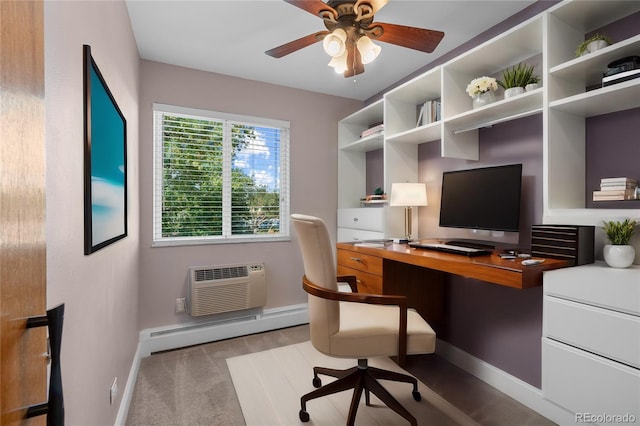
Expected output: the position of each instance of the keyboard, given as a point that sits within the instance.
(448, 248)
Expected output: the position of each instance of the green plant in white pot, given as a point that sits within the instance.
(619, 254)
(515, 79)
(593, 43)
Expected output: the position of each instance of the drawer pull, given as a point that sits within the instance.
(355, 219)
(356, 259)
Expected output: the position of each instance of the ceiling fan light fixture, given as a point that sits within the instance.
(335, 43)
(369, 51)
(339, 63)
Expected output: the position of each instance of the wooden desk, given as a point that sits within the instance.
(420, 274)
(489, 268)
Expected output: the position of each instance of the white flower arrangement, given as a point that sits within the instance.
(481, 85)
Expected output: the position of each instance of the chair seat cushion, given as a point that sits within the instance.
(372, 330)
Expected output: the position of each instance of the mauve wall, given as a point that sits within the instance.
(313, 119)
(100, 291)
(500, 325)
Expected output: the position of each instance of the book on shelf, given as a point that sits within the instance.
(614, 195)
(618, 181)
(617, 186)
(378, 129)
(430, 112)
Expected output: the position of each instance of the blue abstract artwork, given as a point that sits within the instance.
(105, 162)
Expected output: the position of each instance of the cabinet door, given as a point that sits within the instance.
(587, 384)
(605, 332)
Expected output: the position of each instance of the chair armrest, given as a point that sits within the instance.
(351, 280)
(374, 299)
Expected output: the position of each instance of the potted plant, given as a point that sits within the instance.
(514, 79)
(619, 254)
(481, 90)
(593, 43)
(533, 83)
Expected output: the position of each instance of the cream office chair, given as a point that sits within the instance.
(354, 325)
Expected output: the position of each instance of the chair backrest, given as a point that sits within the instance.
(320, 269)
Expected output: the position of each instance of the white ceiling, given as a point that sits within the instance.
(230, 37)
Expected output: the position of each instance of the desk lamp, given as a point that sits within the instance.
(408, 195)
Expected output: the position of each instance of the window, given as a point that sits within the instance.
(219, 177)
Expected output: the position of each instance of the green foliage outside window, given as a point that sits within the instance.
(192, 196)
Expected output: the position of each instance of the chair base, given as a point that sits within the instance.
(360, 378)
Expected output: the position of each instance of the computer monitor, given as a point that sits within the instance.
(485, 198)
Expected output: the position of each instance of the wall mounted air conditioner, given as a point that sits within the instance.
(226, 288)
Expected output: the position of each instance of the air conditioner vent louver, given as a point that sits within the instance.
(225, 288)
(221, 273)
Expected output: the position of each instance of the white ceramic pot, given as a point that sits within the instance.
(513, 91)
(483, 99)
(596, 45)
(531, 86)
(619, 256)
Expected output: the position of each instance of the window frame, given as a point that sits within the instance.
(157, 193)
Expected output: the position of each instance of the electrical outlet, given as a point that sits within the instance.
(113, 391)
(180, 304)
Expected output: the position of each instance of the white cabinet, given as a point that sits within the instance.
(569, 103)
(547, 41)
(591, 342)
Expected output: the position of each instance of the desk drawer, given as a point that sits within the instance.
(348, 235)
(360, 262)
(367, 283)
(608, 333)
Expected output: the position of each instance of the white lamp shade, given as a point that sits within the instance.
(408, 194)
(339, 63)
(368, 49)
(334, 43)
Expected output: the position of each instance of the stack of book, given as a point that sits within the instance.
(613, 189)
(375, 130)
(430, 112)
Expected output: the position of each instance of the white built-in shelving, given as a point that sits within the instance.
(548, 42)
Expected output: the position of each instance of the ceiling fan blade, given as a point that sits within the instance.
(354, 62)
(411, 37)
(313, 6)
(292, 46)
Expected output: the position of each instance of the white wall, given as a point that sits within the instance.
(313, 119)
(100, 291)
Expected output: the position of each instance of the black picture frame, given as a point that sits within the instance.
(105, 161)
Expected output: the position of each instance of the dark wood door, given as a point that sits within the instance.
(23, 364)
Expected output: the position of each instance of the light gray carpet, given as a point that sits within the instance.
(269, 385)
(192, 386)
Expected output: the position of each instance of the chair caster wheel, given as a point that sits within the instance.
(416, 395)
(317, 382)
(304, 416)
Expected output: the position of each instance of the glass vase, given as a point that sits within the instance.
(482, 99)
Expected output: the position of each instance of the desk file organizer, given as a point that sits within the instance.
(573, 243)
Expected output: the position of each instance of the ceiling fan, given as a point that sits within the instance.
(350, 31)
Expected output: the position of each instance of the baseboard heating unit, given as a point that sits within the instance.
(225, 288)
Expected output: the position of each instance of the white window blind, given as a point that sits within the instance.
(219, 177)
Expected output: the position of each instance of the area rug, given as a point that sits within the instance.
(269, 385)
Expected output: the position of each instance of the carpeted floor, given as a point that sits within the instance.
(193, 386)
(269, 385)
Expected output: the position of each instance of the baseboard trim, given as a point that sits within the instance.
(517, 389)
(194, 333)
(127, 395)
